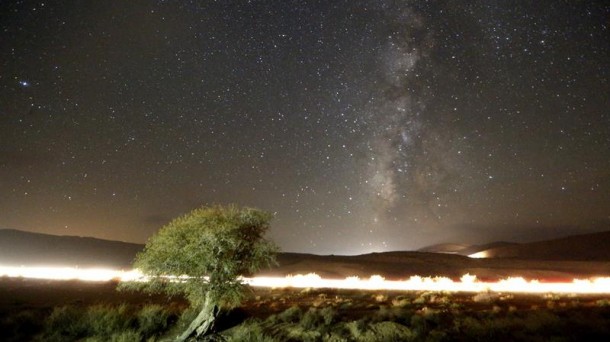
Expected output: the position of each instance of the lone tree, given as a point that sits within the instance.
(210, 248)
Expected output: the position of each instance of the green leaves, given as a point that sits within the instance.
(212, 246)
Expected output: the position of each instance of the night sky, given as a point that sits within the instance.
(364, 125)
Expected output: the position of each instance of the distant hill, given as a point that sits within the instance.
(402, 265)
(480, 248)
(577, 256)
(448, 248)
(26, 248)
(585, 247)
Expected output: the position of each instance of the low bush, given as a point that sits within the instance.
(388, 331)
(329, 315)
(152, 320)
(251, 331)
(291, 315)
(65, 323)
(311, 319)
(105, 323)
(356, 329)
(381, 331)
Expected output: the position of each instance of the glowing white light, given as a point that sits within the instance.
(479, 255)
(467, 283)
(69, 273)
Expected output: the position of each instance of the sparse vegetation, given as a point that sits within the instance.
(290, 315)
(106, 323)
(153, 320)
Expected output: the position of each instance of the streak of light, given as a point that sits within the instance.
(68, 273)
(467, 283)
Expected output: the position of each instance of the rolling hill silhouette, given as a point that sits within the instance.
(585, 247)
(28, 249)
(576, 256)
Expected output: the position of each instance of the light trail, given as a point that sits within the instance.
(68, 273)
(467, 283)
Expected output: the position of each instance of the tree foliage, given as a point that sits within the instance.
(208, 249)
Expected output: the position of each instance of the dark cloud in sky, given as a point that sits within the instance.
(365, 125)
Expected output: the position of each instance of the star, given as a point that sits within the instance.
(340, 116)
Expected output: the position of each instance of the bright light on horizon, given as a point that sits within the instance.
(467, 283)
(479, 255)
(68, 273)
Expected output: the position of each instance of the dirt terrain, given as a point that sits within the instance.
(25, 306)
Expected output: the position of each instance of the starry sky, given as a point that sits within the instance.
(364, 125)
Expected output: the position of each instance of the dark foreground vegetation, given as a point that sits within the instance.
(301, 315)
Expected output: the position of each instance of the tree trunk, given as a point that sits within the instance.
(202, 324)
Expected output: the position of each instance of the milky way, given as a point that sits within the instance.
(364, 125)
(409, 155)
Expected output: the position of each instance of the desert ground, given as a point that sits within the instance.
(38, 310)
(43, 310)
